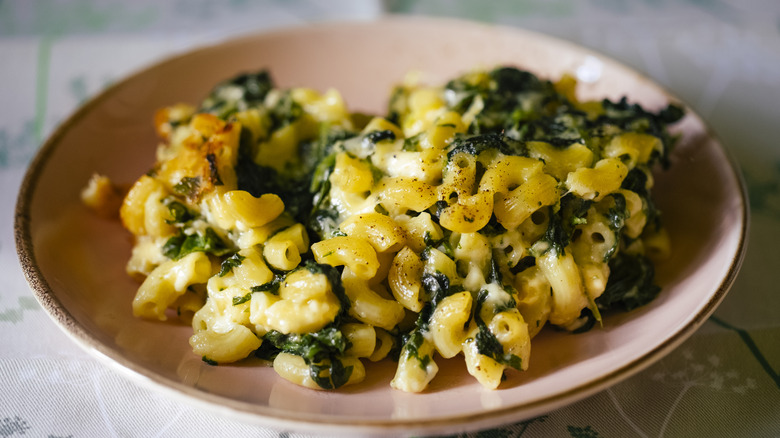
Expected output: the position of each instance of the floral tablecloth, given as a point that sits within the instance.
(720, 56)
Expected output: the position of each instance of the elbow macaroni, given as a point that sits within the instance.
(445, 229)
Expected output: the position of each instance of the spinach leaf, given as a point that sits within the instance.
(320, 350)
(334, 278)
(616, 217)
(636, 181)
(476, 144)
(238, 94)
(563, 222)
(486, 341)
(242, 299)
(411, 347)
(271, 287)
(229, 263)
(437, 286)
(630, 283)
(377, 136)
(188, 187)
(183, 244)
(179, 212)
(632, 117)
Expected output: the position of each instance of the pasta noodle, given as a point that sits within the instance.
(459, 224)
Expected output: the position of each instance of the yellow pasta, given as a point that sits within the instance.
(305, 303)
(515, 207)
(259, 235)
(469, 214)
(368, 306)
(240, 210)
(403, 193)
(362, 339)
(295, 369)
(511, 331)
(534, 302)
(404, 279)
(454, 227)
(416, 367)
(559, 162)
(597, 182)
(168, 282)
(382, 232)
(355, 253)
(473, 252)
(633, 148)
(568, 295)
(102, 196)
(145, 257)
(283, 250)
(509, 172)
(326, 107)
(351, 174)
(282, 254)
(382, 124)
(486, 370)
(419, 229)
(440, 135)
(383, 345)
(141, 212)
(637, 219)
(282, 146)
(448, 323)
(225, 347)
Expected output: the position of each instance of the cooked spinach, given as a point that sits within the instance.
(437, 286)
(334, 278)
(179, 212)
(238, 94)
(562, 223)
(229, 263)
(524, 263)
(188, 187)
(321, 351)
(632, 117)
(476, 144)
(616, 217)
(183, 244)
(242, 299)
(303, 186)
(378, 136)
(486, 341)
(507, 95)
(630, 283)
(271, 287)
(636, 181)
(411, 347)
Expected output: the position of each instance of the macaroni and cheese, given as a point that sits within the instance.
(460, 223)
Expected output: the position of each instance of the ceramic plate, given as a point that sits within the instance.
(75, 261)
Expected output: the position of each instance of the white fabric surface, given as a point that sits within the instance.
(722, 57)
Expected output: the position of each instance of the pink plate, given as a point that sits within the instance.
(75, 261)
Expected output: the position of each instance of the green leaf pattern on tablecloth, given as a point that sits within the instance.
(754, 350)
(514, 431)
(17, 146)
(16, 314)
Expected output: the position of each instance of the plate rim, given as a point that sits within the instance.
(63, 318)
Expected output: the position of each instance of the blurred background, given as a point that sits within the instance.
(722, 57)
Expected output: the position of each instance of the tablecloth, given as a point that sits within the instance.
(720, 56)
